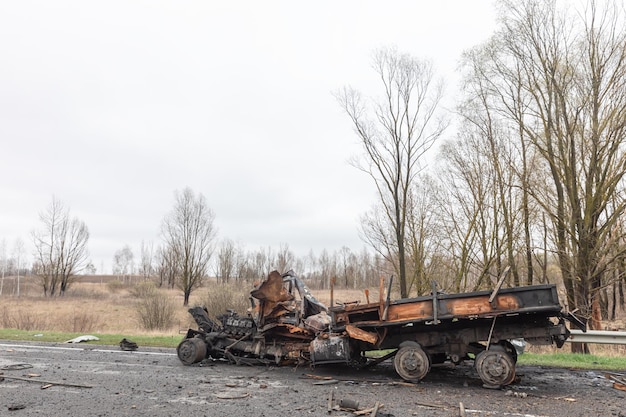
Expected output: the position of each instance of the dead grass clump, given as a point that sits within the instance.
(143, 289)
(22, 319)
(81, 322)
(221, 297)
(115, 286)
(87, 291)
(155, 310)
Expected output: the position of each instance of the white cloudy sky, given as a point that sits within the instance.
(111, 106)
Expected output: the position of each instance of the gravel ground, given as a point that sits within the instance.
(105, 381)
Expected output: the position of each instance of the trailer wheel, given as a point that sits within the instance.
(495, 367)
(191, 350)
(411, 363)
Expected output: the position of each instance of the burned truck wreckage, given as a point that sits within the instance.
(287, 325)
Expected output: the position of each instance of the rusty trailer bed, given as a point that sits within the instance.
(541, 300)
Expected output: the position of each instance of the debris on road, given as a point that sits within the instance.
(80, 339)
(128, 345)
(348, 404)
(65, 384)
(16, 367)
(327, 382)
(331, 401)
(619, 381)
(223, 396)
(516, 394)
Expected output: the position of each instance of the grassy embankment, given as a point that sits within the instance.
(607, 362)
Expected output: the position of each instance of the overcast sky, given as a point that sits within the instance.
(111, 106)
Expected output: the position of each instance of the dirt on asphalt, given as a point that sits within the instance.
(89, 380)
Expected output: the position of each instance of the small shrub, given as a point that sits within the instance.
(22, 320)
(82, 322)
(143, 289)
(5, 318)
(85, 293)
(155, 311)
(221, 297)
(115, 286)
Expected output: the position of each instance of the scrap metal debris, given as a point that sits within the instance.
(16, 367)
(350, 405)
(32, 377)
(128, 345)
(327, 382)
(41, 381)
(619, 381)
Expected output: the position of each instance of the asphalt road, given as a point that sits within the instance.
(89, 380)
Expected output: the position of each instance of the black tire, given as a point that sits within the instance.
(191, 350)
(495, 367)
(411, 363)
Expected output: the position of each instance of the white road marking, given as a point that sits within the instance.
(136, 352)
(499, 413)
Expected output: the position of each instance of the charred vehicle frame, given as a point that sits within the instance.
(287, 325)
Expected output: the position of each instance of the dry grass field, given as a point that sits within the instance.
(88, 307)
(104, 304)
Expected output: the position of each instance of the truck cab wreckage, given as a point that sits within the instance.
(287, 325)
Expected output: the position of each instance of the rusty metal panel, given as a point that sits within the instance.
(519, 300)
(477, 306)
(420, 310)
(331, 349)
(359, 334)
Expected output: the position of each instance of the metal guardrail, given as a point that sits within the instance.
(606, 337)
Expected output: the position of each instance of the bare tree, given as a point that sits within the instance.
(558, 76)
(189, 232)
(147, 259)
(123, 262)
(424, 237)
(242, 263)
(285, 259)
(395, 132)
(60, 249)
(345, 267)
(261, 263)
(226, 261)
(3, 262)
(328, 268)
(19, 251)
(167, 266)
